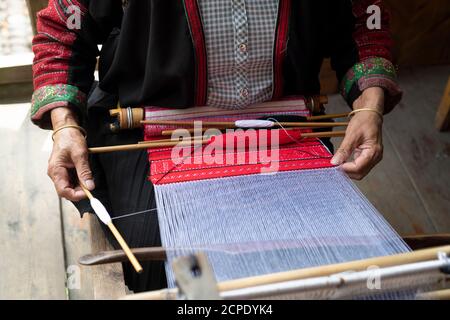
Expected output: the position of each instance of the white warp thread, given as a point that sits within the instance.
(261, 224)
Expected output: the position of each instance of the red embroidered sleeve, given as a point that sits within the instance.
(374, 46)
(65, 56)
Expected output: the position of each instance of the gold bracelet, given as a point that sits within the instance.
(69, 126)
(351, 114)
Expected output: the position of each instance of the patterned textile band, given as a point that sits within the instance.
(292, 106)
(167, 166)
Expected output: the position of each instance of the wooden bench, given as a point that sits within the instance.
(443, 113)
(81, 237)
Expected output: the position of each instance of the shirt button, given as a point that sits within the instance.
(243, 47)
(244, 93)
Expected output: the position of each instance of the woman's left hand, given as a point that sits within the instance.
(363, 137)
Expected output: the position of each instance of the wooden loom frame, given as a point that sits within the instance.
(132, 118)
(280, 278)
(427, 247)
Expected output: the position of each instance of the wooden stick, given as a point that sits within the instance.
(328, 116)
(231, 124)
(358, 265)
(416, 242)
(86, 192)
(327, 134)
(137, 266)
(172, 294)
(326, 270)
(171, 143)
(113, 256)
(140, 146)
(435, 295)
(312, 124)
(190, 130)
(425, 241)
(286, 125)
(190, 123)
(194, 138)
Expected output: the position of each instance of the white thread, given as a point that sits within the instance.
(133, 214)
(289, 220)
(255, 124)
(100, 211)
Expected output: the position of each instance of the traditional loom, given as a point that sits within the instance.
(261, 212)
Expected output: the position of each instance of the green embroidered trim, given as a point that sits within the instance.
(370, 67)
(52, 94)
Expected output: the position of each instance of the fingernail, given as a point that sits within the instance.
(89, 184)
(335, 161)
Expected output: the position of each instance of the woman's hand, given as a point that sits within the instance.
(69, 156)
(363, 137)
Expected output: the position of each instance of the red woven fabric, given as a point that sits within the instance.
(169, 165)
(309, 154)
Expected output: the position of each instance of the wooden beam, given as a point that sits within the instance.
(107, 280)
(32, 262)
(16, 74)
(328, 80)
(83, 235)
(416, 242)
(33, 7)
(443, 113)
(16, 84)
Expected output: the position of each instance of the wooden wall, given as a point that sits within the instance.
(421, 31)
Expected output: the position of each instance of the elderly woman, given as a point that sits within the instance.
(183, 53)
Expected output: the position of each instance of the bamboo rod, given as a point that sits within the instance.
(435, 295)
(415, 242)
(326, 270)
(327, 134)
(137, 266)
(86, 192)
(190, 130)
(286, 125)
(358, 265)
(180, 143)
(182, 139)
(228, 124)
(328, 116)
(189, 123)
(313, 124)
(112, 256)
(232, 124)
(141, 146)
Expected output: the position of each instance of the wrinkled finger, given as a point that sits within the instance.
(79, 193)
(63, 186)
(345, 151)
(361, 165)
(84, 173)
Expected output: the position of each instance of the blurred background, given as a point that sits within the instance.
(41, 237)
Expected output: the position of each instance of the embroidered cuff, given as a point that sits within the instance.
(372, 72)
(53, 96)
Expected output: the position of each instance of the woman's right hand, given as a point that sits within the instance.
(69, 156)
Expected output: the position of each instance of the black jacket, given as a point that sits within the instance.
(154, 52)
